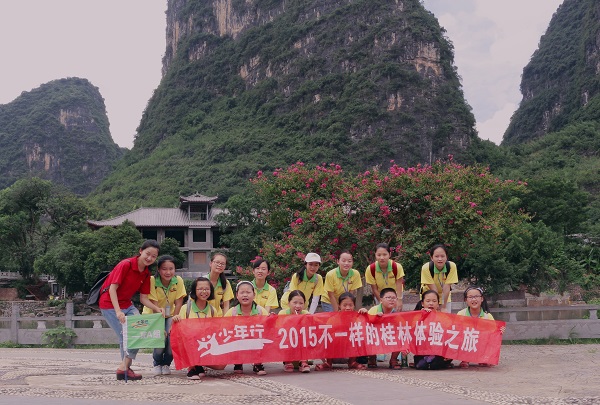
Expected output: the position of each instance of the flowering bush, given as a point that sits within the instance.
(325, 210)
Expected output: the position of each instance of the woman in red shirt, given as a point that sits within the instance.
(128, 277)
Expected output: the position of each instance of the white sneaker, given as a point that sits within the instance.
(157, 370)
(166, 370)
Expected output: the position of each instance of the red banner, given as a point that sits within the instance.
(260, 339)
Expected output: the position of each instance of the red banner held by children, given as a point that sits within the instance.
(260, 339)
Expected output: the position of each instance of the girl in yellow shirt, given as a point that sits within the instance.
(247, 307)
(197, 307)
(296, 301)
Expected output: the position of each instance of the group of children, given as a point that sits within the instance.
(213, 295)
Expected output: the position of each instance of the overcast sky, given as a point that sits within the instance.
(118, 46)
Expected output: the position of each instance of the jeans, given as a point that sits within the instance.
(110, 315)
(164, 356)
(326, 307)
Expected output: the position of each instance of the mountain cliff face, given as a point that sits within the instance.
(256, 84)
(561, 83)
(57, 132)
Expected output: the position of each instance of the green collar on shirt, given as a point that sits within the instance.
(254, 310)
(198, 310)
(313, 279)
(436, 271)
(481, 312)
(158, 282)
(266, 287)
(389, 267)
(338, 272)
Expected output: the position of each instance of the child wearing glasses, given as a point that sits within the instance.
(477, 307)
(387, 306)
(197, 307)
(223, 290)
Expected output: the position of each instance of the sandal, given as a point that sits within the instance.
(304, 367)
(238, 369)
(323, 367)
(464, 364)
(288, 367)
(372, 362)
(355, 365)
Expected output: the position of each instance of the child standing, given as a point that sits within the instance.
(308, 281)
(223, 290)
(387, 306)
(266, 295)
(247, 307)
(438, 275)
(346, 302)
(430, 302)
(197, 307)
(167, 292)
(477, 307)
(385, 273)
(343, 279)
(296, 302)
(128, 277)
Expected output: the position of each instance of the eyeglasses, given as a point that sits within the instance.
(220, 264)
(390, 298)
(202, 289)
(473, 297)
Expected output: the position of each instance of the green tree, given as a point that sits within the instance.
(170, 246)
(34, 213)
(78, 258)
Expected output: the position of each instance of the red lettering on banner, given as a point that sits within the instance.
(218, 341)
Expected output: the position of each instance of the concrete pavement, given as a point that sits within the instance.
(526, 374)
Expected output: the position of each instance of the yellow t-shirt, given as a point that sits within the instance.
(439, 278)
(287, 312)
(384, 280)
(482, 314)
(165, 295)
(338, 285)
(208, 312)
(221, 296)
(374, 310)
(237, 311)
(267, 297)
(310, 288)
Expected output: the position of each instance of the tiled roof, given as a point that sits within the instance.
(159, 217)
(197, 198)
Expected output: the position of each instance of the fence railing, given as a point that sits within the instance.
(94, 330)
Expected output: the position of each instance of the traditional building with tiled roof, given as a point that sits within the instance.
(192, 225)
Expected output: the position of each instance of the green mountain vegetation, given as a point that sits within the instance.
(560, 84)
(265, 84)
(59, 132)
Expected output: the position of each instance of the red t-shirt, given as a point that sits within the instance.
(130, 281)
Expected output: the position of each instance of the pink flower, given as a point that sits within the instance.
(457, 198)
(472, 204)
(259, 174)
(480, 212)
(299, 221)
(340, 225)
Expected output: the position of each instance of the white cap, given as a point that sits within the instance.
(312, 257)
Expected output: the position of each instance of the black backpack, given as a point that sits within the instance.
(97, 290)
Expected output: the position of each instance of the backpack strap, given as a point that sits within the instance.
(188, 307)
(212, 311)
(394, 269)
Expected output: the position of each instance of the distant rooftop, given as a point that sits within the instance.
(197, 198)
(159, 217)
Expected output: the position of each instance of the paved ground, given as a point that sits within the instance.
(525, 375)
